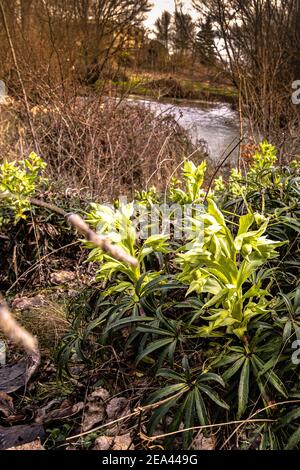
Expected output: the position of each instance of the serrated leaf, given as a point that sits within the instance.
(127, 321)
(200, 408)
(234, 368)
(289, 417)
(271, 377)
(210, 376)
(170, 374)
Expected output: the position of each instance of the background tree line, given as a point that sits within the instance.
(56, 44)
(59, 41)
(183, 36)
(258, 43)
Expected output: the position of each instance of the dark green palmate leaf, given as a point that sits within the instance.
(238, 321)
(188, 401)
(294, 440)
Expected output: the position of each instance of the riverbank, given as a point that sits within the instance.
(161, 86)
(96, 145)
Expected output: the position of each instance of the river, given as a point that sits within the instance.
(215, 123)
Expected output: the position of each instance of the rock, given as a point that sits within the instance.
(35, 445)
(103, 443)
(117, 408)
(93, 415)
(123, 442)
(95, 410)
(62, 277)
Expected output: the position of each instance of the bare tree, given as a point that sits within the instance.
(58, 40)
(255, 45)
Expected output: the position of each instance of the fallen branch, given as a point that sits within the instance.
(14, 331)
(79, 224)
(13, 377)
(10, 327)
(115, 251)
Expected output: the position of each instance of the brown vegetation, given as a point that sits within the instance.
(102, 147)
(261, 51)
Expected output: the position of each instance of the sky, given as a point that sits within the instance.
(161, 5)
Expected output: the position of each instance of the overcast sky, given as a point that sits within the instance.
(161, 5)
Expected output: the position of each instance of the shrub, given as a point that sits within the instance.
(18, 181)
(28, 233)
(212, 317)
(101, 146)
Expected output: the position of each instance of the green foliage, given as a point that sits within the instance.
(274, 192)
(18, 182)
(225, 268)
(187, 396)
(193, 178)
(118, 226)
(211, 317)
(147, 197)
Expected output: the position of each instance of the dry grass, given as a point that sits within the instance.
(48, 323)
(101, 147)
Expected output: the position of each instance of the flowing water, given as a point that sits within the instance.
(215, 123)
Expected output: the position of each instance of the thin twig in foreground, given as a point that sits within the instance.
(14, 331)
(79, 224)
(218, 168)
